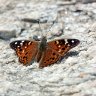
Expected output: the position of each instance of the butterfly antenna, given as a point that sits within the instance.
(60, 13)
(53, 22)
(40, 29)
(50, 28)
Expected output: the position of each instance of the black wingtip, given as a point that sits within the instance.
(73, 42)
(12, 45)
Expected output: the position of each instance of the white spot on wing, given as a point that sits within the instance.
(66, 41)
(72, 41)
(15, 43)
(59, 46)
(29, 43)
(25, 47)
(57, 42)
(22, 41)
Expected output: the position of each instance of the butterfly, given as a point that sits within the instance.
(46, 53)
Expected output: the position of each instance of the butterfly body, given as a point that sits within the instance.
(46, 53)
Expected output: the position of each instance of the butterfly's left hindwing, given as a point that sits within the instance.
(26, 50)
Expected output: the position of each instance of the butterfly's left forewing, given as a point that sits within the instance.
(26, 50)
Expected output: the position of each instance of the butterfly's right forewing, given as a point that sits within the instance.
(26, 50)
(62, 46)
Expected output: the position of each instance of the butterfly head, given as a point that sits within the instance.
(43, 43)
(44, 39)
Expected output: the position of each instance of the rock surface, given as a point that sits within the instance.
(72, 76)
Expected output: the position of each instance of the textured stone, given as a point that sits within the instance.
(74, 75)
